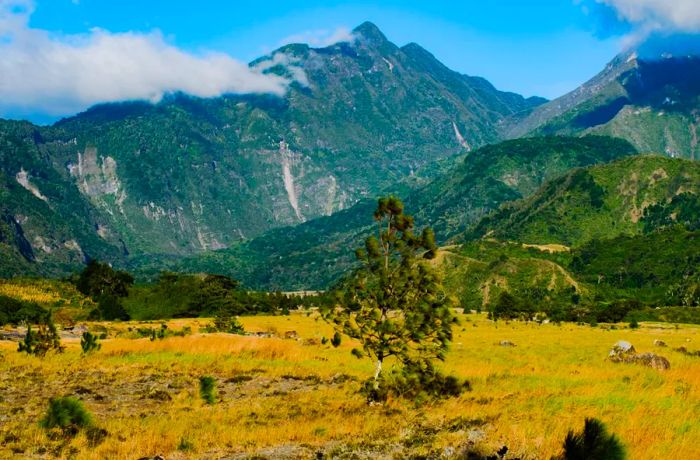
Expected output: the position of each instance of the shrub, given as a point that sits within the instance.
(593, 443)
(67, 414)
(207, 384)
(89, 343)
(42, 341)
(335, 341)
(13, 311)
(185, 445)
(224, 322)
(111, 308)
(417, 381)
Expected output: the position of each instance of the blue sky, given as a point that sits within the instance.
(88, 51)
(549, 44)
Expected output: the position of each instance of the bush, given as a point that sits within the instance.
(335, 341)
(13, 311)
(42, 341)
(593, 443)
(224, 322)
(67, 414)
(207, 384)
(417, 381)
(89, 343)
(111, 308)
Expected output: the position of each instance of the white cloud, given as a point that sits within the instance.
(659, 15)
(63, 74)
(320, 38)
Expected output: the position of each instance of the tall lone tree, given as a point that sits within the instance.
(394, 304)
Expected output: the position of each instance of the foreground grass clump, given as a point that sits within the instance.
(276, 394)
(66, 414)
(593, 443)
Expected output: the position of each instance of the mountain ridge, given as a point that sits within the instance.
(188, 175)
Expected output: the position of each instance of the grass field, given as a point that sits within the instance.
(294, 397)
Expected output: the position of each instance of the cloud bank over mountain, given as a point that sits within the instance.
(651, 19)
(63, 74)
(654, 15)
(320, 38)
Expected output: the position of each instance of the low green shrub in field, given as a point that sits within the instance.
(415, 381)
(207, 385)
(593, 443)
(89, 343)
(67, 414)
(43, 340)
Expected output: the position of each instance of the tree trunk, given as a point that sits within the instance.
(377, 371)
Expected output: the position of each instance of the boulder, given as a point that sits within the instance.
(79, 330)
(624, 352)
(659, 343)
(621, 349)
(651, 360)
(506, 343)
(686, 352)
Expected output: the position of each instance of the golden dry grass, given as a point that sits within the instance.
(277, 392)
(29, 293)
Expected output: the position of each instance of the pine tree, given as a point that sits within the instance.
(395, 305)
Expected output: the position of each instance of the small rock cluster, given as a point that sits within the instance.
(624, 352)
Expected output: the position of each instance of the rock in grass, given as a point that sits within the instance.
(506, 343)
(620, 349)
(659, 343)
(651, 360)
(624, 352)
(686, 352)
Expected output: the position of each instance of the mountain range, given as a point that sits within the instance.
(277, 191)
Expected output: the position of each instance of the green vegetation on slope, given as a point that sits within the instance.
(622, 198)
(315, 254)
(190, 175)
(650, 101)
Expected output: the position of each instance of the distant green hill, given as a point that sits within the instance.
(314, 254)
(478, 273)
(621, 198)
(504, 172)
(604, 280)
(598, 242)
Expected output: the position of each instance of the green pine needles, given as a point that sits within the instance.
(395, 305)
